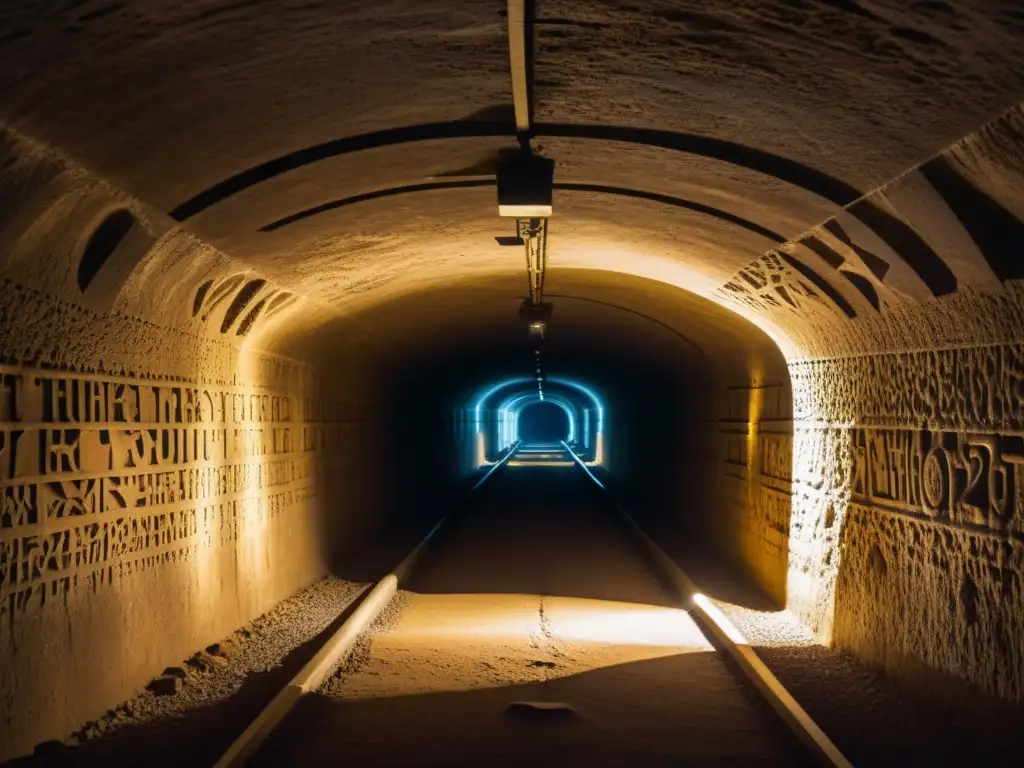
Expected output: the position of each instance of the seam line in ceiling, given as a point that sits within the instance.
(782, 168)
(602, 189)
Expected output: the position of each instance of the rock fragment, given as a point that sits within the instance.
(540, 709)
(165, 685)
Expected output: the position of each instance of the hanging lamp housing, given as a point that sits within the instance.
(525, 183)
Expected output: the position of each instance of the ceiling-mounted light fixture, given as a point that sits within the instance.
(536, 316)
(525, 182)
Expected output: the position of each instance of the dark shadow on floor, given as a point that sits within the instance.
(680, 710)
(370, 561)
(714, 574)
(717, 579)
(877, 723)
(872, 719)
(539, 530)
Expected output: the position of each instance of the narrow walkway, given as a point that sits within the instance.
(535, 596)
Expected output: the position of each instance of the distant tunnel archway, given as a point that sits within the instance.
(496, 414)
(543, 423)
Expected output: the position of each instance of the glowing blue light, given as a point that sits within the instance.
(566, 407)
(598, 405)
(515, 404)
(598, 432)
(506, 415)
(493, 390)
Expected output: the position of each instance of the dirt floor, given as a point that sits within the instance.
(535, 598)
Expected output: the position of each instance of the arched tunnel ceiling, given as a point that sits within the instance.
(298, 137)
(466, 335)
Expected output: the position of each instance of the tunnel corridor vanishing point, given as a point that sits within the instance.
(263, 315)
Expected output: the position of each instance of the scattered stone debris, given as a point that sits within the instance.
(165, 685)
(540, 708)
(869, 716)
(203, 661)
(223, 649)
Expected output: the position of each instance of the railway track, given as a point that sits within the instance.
(539, 624)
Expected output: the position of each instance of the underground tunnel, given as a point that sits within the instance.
(273, 363)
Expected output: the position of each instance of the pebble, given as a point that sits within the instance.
(165, 685)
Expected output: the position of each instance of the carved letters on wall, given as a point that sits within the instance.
(954, 478)
(774, 452)
(963, 467)
(961, 479)
(937, 435)
(103, 475)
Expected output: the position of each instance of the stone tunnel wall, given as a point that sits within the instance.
(931, 556)
(905, 316)
(157, 479)
(728, 457)
(754, 466)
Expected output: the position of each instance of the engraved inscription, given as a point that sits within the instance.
(101, 477)
(953, 477)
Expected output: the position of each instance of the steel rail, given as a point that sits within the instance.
(813, 738)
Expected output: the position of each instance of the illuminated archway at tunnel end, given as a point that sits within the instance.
(496, 410)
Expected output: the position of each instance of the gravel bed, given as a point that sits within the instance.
(218, 690)
(873, 720)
